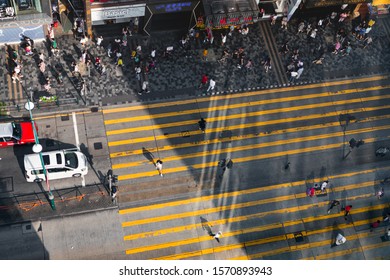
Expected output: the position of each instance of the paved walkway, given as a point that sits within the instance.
(179, 73)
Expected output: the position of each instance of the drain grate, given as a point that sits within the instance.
(6, 185)
(98, 145)
(65, 118)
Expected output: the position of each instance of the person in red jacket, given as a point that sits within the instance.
(347, 209)
(204, 81)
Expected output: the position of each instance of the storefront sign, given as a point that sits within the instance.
(13, 35)
(325, 3)
(172, 7)
(98, 14)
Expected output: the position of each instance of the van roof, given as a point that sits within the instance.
(51, 159)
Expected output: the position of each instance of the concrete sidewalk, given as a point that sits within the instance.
(179, 73)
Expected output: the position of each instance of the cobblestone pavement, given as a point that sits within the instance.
(179, 73)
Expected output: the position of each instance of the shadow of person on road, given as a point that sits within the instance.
(206, 226)
(335, 231)
(148, 155)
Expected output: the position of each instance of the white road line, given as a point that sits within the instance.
(76, 135)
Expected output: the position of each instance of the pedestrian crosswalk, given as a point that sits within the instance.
(259, 204)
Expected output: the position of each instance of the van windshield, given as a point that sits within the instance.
(71, 160)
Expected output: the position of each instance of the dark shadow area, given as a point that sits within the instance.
(148, 155)
(206, 226)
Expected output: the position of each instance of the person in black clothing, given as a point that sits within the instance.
(202, 124)
(333, 204)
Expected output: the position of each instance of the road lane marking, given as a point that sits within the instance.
(251, 135)
(223, 118)
(236, 206)
(262, 241)
(214, 164)
(242, 192)
(254, 146)
(246, 94)
(321, 243)
(230, 220)
(245, 115)
(256, 103)
(246, 231)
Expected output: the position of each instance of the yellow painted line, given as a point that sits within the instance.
(238, 160)
(245, 115)
(258, 103)
(220, 118)
(246, 244)
(241, 219)
(247, 204)
(326, 242)
(246, 94)
(256, 135)
(243, 192)
(255, 146)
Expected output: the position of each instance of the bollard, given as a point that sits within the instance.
(18, 107)
(57, 102)
(51, 199)
(38, 105)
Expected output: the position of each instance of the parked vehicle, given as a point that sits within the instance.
(58, 164)
(16, 133)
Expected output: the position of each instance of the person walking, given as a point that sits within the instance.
(159, 167)
(138, 73)
(380, 193)
(293, 76)
(324, 185)
(145, 87)
(347, 211)
(114, 191)
(224, 37)
(202, 124)
(211, 85)
(204, 81)
(374, 225)
(205, 53)
(333, 204)
(99, 41)
(217, 235)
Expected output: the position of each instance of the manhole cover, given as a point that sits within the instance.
(6, 185)
(98, 145)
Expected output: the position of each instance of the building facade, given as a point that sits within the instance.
(24, 17)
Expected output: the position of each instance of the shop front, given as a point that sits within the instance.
(169, 15)
(117, 14)
(222, 14)
(23, 17)
(309, 4)
(107, 18)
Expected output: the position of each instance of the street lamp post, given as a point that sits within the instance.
(37, 148)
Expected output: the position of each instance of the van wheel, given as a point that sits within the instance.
(77, 175)
(38, 180)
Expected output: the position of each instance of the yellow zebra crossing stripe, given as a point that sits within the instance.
(254, 103)
(254, 146)
(246, 94)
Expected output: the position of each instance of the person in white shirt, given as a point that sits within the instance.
(211, 85)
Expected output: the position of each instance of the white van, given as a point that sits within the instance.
(59, 164)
